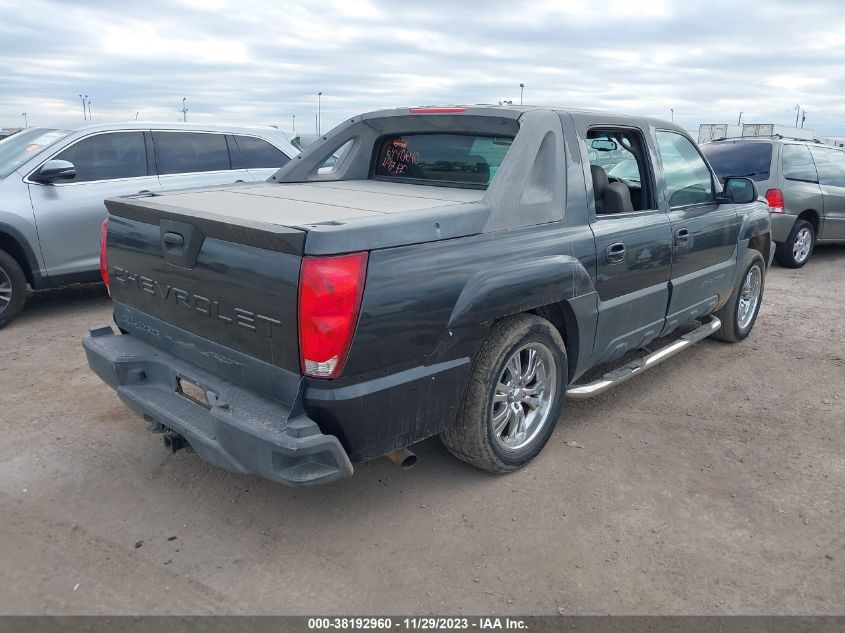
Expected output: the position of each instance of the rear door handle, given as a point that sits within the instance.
(615, 253)
(681, 237)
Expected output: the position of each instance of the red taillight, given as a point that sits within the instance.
(775, 200)
(330, 290)
(104, 261)
(436, 110)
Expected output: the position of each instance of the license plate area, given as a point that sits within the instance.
(191, 389)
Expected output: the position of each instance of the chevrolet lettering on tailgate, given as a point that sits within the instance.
(248, 319)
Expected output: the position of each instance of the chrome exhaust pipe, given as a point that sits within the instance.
(403, 458)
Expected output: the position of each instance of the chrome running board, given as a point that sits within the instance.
(620, 375)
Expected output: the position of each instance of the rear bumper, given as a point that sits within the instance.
(239, 430)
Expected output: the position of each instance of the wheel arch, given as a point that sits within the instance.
(557, 288)
(762, 243)
(562, 317)
(813, 217)
(12, 242)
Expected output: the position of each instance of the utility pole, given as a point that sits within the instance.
(319, 114)
(84, 113)
(797, 112)
(739, 120)
(521, 91)
(25, 123)
(184, 111)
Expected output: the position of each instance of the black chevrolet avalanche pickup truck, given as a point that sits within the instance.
(422, 271)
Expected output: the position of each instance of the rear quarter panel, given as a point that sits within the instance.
(425, 313)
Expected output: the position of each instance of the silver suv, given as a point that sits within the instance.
(53, 183)
(803, 181)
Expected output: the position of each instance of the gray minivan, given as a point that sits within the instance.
(53, 183)
(803, 181)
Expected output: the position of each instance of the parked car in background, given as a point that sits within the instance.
(53, 183)
(803, 181)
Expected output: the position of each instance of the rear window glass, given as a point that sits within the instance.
(457, 158)
(749, 160)
(797, 164)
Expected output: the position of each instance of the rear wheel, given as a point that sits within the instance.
(739, 314)
(12, 288)
(796, 250)
(514, 398)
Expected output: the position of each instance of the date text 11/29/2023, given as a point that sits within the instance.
(416, 623)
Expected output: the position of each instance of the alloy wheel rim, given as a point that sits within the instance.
(5, 290)
(523, 397)
(749, 297)
(803, 244)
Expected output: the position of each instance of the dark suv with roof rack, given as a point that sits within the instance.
(803, 181)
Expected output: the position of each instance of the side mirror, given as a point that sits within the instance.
(54, 170)
(739, 190)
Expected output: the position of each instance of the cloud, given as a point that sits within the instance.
(262, 63)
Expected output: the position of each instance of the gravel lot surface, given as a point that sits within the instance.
(714, 483)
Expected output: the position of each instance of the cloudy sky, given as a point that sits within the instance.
(261, 63)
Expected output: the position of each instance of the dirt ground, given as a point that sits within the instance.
(713, 484)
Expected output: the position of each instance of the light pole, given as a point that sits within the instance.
(90, 116)
(521, 90)
(184, 110)
(84, 114)
(293, 123)
(25, 123)
(797, 112)
(319, 114)
(672, 110)
(739, 120)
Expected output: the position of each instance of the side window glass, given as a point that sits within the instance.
(798, 164)
(258, 153)
(831, 166)
(108, 156)
(331, 163)
(688, 179)
(187, 152)
(618, 170)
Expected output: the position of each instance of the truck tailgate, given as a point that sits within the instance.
(217, 292)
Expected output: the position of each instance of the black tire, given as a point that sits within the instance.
(472, 437)
(12, 289)
(785, 252)
(736, 326)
